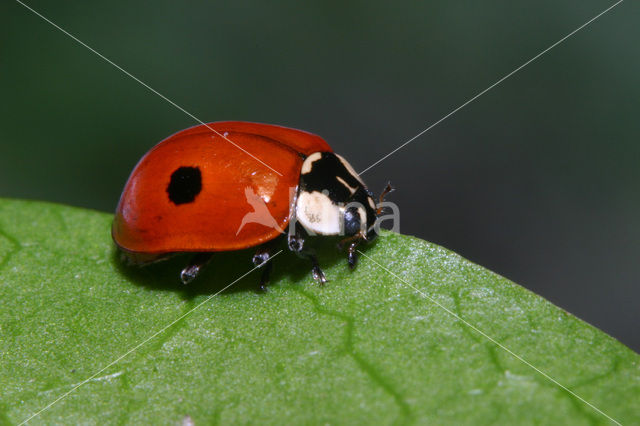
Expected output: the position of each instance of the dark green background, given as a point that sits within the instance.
(537, 180)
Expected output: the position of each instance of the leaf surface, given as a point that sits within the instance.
(365, 348)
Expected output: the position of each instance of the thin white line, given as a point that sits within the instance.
(64, 395)
(494, 341)
(492, 86)
(150, 88)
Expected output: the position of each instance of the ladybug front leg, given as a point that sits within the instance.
(352, 243)
(196, 264)
(296, 245)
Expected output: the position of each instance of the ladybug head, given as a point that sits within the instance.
(333, 200)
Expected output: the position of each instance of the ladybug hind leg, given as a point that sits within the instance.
(195, 266)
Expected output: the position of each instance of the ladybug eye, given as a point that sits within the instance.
(352, 223)
(185, 185)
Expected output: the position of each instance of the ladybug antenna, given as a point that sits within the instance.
(387, 189)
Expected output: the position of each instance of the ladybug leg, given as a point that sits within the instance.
(264, 278)
(196, 264)
(352, 258)
(263, 254)
(295, 241)
(352, 242)
(296, 245)
(317, 273)
(261, 259)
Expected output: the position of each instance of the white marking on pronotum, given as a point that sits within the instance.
(318, 214)
(308, 162)
(352, 189)
(350, 169)
(372, 203)
(361, 212)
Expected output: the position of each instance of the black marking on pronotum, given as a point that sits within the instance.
(361, 196)
(185, 185)
(324, 175)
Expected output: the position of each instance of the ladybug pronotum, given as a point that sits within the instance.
(233, 185)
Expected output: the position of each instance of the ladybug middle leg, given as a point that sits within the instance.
(196, 264)
(296, 245)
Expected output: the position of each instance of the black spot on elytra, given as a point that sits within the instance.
(185, 185)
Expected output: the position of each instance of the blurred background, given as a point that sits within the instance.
(537, 180)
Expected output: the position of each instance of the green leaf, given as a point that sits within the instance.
(365, 348)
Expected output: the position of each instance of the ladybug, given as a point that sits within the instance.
(233, 185)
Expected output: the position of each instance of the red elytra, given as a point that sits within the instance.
(147, 221)
(193, 192)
